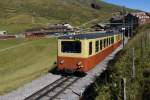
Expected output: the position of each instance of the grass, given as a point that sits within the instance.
(9, 43)
(137, 88)
(19, 15)
(22, 64)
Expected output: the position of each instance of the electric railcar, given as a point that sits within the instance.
(82, 52)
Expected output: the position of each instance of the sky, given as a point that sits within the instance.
(143, 5)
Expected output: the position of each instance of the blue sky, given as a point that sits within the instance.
(137, 4)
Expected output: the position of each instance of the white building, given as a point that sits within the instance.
(144, 18)
(68, 26)
(3, 32)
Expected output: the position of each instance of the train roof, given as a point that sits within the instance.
(88, 36)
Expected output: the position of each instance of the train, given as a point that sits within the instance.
(82, 52)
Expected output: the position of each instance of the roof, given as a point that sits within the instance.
(117, 17)
(99, 25)
(34, 29)
(88, 36)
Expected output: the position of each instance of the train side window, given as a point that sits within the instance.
(96, 46)
(117, 38)
(112, 40)
(90, 48)
(109, 41)
(104, 42)
(101, 44)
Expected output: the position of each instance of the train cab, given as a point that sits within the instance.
(71, 54)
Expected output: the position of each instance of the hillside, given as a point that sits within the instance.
(23, 60)
(18, 15)
(109, 86)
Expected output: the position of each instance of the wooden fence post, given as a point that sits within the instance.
(133, 63)
(124, 95)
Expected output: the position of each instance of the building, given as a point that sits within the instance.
(4, 37)
(3, 32)
(128, 21)
(139, 17)
(58, 28)
(54, 29)
(131, 23)
(116, 21)
(144, 18)
(98, 27)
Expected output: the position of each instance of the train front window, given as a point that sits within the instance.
(71, 46)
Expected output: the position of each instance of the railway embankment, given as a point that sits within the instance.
(131, 63)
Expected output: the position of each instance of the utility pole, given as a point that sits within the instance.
(132, 27)
(142, 51)
(124, 95)
(128, 31)
(124, 29)
(133, 63)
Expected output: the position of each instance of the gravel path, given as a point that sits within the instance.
(30, 88)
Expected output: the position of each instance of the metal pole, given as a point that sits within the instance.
(123, 29)
(124, 12)
(132, 27)
(124, 89)
(123, 38)
(128, 31)
(133, 63)
(142, 53)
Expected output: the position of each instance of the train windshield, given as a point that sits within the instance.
(71, 46)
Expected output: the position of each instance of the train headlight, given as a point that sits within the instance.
(79, 63)
(81, 66)
(62, 61)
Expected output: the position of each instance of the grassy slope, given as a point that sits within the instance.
(26, 62)
(4, 44)
(18, 15)
(137, 89)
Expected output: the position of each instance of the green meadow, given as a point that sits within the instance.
(19, 15)
(25, 60)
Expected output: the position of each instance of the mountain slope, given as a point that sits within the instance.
(18, 15)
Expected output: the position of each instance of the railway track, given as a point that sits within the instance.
(53, 90)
